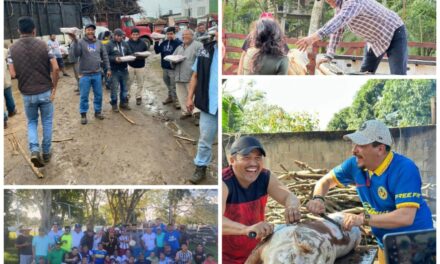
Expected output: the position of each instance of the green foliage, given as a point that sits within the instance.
(406, 102)
(251, 114)
(340, 120)
(398, 103)
(265, 118)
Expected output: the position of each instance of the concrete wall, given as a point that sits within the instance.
(327, 149)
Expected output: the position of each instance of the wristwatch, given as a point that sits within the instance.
(367, 218)
(319, 197)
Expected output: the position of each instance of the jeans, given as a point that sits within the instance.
(25, 259)
(33, 103)
(397, 54)
(85, 82)
(107, 80)
(208, 133)
(9, 100)
(169, 79)
(119, 77)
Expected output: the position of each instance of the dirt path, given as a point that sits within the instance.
(111, 151)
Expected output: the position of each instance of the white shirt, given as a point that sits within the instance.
(76, 238)
(149, 240)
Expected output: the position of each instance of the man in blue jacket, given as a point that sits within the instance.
(165, 48)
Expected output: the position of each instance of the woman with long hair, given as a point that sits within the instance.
(266, 56)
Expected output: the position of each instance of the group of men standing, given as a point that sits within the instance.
(156, 244)
(192, 84)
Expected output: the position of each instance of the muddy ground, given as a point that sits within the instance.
(111, 151)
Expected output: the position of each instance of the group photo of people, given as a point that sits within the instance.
(185, 236)
(157, 83)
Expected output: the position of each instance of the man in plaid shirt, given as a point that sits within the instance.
(382, 29)
(184, 256)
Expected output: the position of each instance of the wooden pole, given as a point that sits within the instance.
(26, 158)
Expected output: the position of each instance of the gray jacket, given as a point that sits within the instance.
(183, 71)
(90, 54)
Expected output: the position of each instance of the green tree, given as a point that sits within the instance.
(396, 102)
(406, 102)
(340, 120)
(265, 118)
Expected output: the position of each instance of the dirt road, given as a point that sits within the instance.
(111, 151)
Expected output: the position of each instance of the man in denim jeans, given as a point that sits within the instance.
(382, 29)
(204, 89)
(118, 48)
(90, 52)
(30, 61)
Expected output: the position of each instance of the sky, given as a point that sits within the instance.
(151, 7)
(323, 96)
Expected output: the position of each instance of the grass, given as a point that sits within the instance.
(11, 255)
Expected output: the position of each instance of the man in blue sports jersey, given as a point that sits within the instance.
(388, 184)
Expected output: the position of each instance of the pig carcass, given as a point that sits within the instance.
(312, 242)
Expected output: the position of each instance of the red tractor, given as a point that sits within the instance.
(127, 24)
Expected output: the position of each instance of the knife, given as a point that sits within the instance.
(277, 227)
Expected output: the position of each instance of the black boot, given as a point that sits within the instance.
(36, 159)
(83, 118)
(199, 174)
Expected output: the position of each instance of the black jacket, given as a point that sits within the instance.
(137, 46)
(113, 52)
(166, 47)
(204, 60)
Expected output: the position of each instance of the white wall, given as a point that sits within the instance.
(198, 8)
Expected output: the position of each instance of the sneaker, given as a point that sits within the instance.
(11, 114)
(115, 108)
(125, 106)
(176, 104)
(83, 119)
(36, 159)
(46, 157)
(198, 175)
(169, 100)
(98, 115)
(65, 74)
(138, 101)
(184, 116)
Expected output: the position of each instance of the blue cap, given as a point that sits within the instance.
(245, 145)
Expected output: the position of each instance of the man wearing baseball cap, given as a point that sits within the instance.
(388, 184)
(246, 187)
(116, 49)
(90, 53)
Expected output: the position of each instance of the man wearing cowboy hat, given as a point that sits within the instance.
(388, 184)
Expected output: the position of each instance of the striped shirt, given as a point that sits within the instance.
(184, 257)
(123, 244)
(365, 18)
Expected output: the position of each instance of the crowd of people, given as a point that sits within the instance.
(157, 243)
(192, 84)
